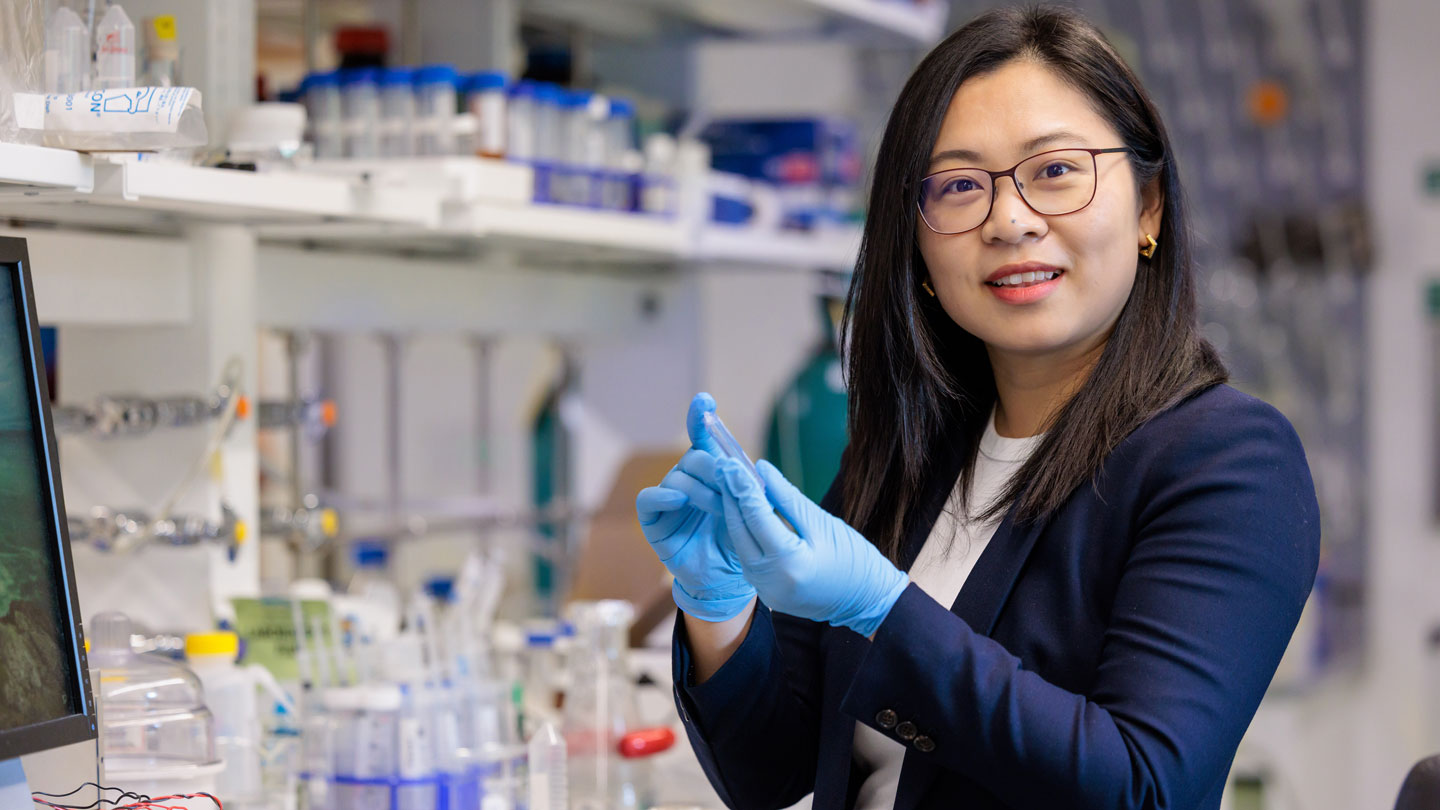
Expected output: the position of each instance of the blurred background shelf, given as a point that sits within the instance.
(877, 21)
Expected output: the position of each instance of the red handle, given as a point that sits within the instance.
(646, 742)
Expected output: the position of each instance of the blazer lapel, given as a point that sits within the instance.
(979, 603)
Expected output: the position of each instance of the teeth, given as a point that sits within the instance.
(1017, 279)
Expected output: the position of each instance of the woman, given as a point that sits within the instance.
(1107, 548)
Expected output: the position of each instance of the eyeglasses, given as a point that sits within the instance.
(1061, 181)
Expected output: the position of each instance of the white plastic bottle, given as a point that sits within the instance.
(230, 694)
(67, 53)
(376, 608)
(360, 99)
(549, 781)
(114, 50)
(397, 112)
(435, 107)
(486, 96)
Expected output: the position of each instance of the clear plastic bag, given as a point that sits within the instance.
(22, 57)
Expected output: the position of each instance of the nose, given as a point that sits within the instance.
(1011, 220)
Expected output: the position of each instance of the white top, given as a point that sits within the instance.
(948, 557)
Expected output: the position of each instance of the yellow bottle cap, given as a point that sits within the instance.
(164, 26)
(220, 643)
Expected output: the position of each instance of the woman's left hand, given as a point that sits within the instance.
(823, 570)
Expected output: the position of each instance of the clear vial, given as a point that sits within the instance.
(549, 781)
(617, 183)
(114, 50)
(360, 100)
(520, 122)
(397, 112)
(486, 99)
(326, 114)
(67, 53)
(435, 107)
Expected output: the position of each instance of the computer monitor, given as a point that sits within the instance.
(45, 698)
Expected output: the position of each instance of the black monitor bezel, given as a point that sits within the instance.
(76, 728)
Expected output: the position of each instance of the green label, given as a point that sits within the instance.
(268, 627)
(1432, 180)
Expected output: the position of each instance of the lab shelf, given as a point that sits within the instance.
(438, 206)
(826, 249)
(30, 169)
(891, 21)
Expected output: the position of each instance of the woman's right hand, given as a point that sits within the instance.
(683, 519)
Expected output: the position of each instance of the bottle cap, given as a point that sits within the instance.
(219, 643)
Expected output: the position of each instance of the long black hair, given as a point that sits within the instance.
(916, 379)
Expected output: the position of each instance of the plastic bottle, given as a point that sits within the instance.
(657, 192)
(67, 53)
(114, 50)
(549, 782)
(521, 107)
(360, 100)
(397, 111)
(162, 52)
(326, 114)
(549, 151)
(486, 98)
(366, 745)
(617, 187)
(376, 605)
(230, 693)
(435, 108)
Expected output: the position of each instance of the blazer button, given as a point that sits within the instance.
(887, 718)
(924, 744)
(906, 731)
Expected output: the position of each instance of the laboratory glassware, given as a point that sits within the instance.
(729, 446)
(600, 710)
(549, 783)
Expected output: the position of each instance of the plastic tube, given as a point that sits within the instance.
(729, 446)
(485, 98)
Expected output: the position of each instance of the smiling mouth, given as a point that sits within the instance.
(1021, 280)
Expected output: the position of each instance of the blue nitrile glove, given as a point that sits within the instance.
(823, 570)
(684, 521)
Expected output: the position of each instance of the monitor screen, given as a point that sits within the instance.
(43, 696)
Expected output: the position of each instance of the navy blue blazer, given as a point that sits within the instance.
(1110, 656)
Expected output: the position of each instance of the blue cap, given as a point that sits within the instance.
(329, 78)
(576, 99)
(370, 552)
(440, 588)
(547, 93)
(437, 74)
(354, 76)
(622, 108)
(488, 80)
(397, 77)
(539, 638)
(524, 87)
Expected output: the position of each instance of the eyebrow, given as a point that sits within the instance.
(1029, 147)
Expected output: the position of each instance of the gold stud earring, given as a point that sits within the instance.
(1147, 252)
(928, 288)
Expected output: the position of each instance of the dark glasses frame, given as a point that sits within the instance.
(1010, 173)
